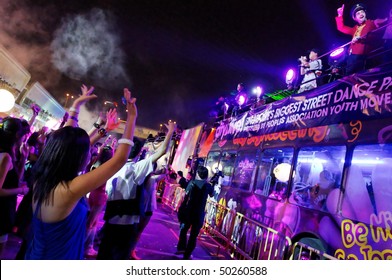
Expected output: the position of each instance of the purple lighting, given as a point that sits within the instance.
(258, 91)
(337, 58)
(337, 52)
(241, 100)
(290, 76)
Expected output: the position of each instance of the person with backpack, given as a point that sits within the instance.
(124, 206)
(193, 207)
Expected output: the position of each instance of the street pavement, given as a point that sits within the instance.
(158, 241)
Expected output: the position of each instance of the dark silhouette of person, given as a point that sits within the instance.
(197, 191)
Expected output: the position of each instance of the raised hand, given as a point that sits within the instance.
(85, 96)
(130, 103)
(36, 109)
(171, 126)
(111, 120)
(340, 11)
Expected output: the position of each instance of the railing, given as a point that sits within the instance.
(173, 196)
(301, 251)
(243, 237)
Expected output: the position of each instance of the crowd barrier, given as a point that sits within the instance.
(301, 251)
(173, 195)
(243, 237)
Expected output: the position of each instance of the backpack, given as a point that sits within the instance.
(130, 207)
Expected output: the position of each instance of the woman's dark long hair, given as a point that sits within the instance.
(64, 156)
(10, 133)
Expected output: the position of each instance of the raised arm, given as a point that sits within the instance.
(171, 126)
(97, 125)
(74, 110)
(340, 11)
(36, 109)
(87, 182)
(340, 24)
(111, 122)
(64, 119)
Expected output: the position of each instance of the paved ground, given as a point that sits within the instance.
(158, 241)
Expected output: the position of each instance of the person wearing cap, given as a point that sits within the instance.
(310, 70)
(359, 47)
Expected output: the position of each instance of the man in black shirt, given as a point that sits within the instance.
(183, 182)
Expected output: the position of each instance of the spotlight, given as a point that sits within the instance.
(290, 76)
(337, 58)
(257, 91)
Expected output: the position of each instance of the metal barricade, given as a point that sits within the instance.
(244, 238)
(219, 222)
(257, 241)
(301, 251)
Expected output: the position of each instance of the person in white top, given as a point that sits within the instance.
(311, 70)
(125, 202)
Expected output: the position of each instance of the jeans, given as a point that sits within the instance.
(189, 246)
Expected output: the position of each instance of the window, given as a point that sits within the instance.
(318, 172)
(274, 172)
(227, 162)
(212, 162)
(368, 188)
(245, 170)
(223, 162)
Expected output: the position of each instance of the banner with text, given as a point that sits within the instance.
(357, 97)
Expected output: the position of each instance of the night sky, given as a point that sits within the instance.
(177, 57)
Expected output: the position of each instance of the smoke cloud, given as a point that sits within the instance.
(24, 33)
(83, 47)
(86, 47)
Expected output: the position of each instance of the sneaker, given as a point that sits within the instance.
(179, 252)
(91, 252)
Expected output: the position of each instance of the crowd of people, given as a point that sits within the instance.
(71, 178)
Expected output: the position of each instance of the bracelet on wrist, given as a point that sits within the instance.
(73, 109)
(102, 132)
(126, 141)
(74, 118)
